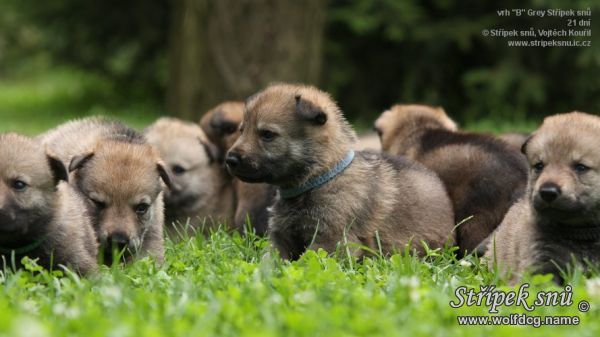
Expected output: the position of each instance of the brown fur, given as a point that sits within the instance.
(45, 208)
(542, 235)
(201, 192)
(221, 124)
(379, 202)
(119, 176)
(514, 139)
(484, 177)
(368, 141)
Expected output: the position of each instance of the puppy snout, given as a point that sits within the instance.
(233, 159)
(118, 240)
(549, 192)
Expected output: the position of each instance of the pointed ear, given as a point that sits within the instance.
(77, 162)
(524, 146)
(59, 171)
(164, 175)
(309, 111)
(212, 151)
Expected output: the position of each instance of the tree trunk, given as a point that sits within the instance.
(228, 49)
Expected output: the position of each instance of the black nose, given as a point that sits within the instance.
(118, 241)
(233, 159)
(549, 192)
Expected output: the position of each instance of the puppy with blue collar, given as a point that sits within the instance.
(297, 139)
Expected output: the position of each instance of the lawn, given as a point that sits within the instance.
(32, 104)
(229, 285)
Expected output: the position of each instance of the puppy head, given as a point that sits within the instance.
(221, 124)
(189, 158)
(289, 132)
(122, 185)
(28, 180)
(397, 125)
(564, 182)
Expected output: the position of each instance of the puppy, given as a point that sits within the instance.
(559, 218)
(221, 125)
(296, 138)
(41, 216)
(119, 175)
(484, 177)
(200, 187)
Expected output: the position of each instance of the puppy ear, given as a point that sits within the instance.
(164, 175)
(212, 151)
(59, 171)
(77, 162)
(524, 146)
(309, 111)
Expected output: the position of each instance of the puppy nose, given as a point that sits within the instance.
(549, 192)
(233, 159)
(118, 240)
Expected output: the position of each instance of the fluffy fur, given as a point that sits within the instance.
(559, 219)
(293, 133)
(119, 176)
(484, 177)
(37, 205)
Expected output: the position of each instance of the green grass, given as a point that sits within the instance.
(234, 286)
(227, 285)
(33, 104)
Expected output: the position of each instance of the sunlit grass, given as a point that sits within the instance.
(230, 285)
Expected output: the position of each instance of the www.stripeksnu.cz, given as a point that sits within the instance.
(518, 319)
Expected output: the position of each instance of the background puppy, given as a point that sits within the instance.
(41, 216)
(296, 138)
(200, 187)
(119, 176)
(221, 124)
(560, 216)
(484, 177)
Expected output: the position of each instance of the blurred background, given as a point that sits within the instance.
(139, 59)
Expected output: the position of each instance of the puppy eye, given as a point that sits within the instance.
(378, 130)
(18, 185)
(178, 169)
(141, 209)
(267, 135)
(580, 168)
(99, 204)
(538, 167)
(229, 129)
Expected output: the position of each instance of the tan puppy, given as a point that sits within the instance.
(41, 216)
(296, 138)
(119, 176)
(484, 177)
(559, 219)
(221, 124)
(201, 191)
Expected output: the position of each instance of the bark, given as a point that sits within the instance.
(228, 49)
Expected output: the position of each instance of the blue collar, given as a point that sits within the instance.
(320, 180)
